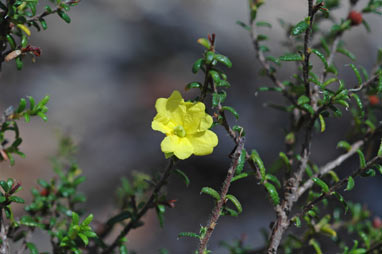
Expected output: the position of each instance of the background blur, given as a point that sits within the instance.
(104, 72)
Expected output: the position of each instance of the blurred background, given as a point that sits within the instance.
(104, 72)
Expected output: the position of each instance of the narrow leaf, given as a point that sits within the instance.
(350, 184)
(209, 191)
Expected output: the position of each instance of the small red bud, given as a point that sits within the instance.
(373, 100)
(44, 192)
(355, 17)
(377, 223)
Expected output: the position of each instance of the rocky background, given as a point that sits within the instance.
(104, 72)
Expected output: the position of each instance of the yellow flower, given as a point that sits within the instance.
(186, 127)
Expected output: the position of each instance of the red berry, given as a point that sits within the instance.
(373, 99)
(355, 17)
(377, 223)
(44, 192)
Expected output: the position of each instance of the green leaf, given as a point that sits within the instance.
(245, 174)
(183, 175)
(297, 221)
(346, 53)
(75, 219)
(218, 98)
(22, 105)
(259, 162)
(350, 184)
(43, 23)
(343, 144)
(88, 220)
(322, 122)
(315, 245)
(19, 63)
(209, 191)
(329, 81)
(362, 161)
(4, 185)
(11, 41)
(272, 193)
(63, 15)
(356, 72)
(235, 201)
(193, 85)
(379, 88)
(273, 179)
(123, 249)
(209, 57)
(379, 154)
(205, 43)
(241, 162)
(291, 57)
(324, 187)
(299, 28)
(224, 60)
(262, 37)
(243, 25)
(263, 24)
(188, 234)
(16, 199)
(233, 111)
(285, 160)
(359, 104)
(215, 76)
(84, 238)
(321, 56)
(308, 108)
(303, 99)
(32, 248)
(197, 65)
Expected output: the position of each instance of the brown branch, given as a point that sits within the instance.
(146, 207)
(330, 166)
(216, 212)
(364, 84)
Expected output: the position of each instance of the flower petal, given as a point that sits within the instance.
(162, 123)
(194, 113)
(181, 147)
(203, 142)
(205, 122)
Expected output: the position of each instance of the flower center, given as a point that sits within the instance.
(180, 131)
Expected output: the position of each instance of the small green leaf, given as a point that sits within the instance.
(245, 174)
(379, 154)
(303, 99)
(197, 65)
(322, 122)
(209, 191)
(259, 162)
(346, 53)
(233, 111)
(297, 221)
(184, 176)
(204, 42)
(84, 238)
(63, 15)
(324, 187)
(88, 220)
(22, 105)
(224, 60)
(315, 245)
(32, 248)
(291, 57)
(209, 57)
(273, 179)
(299, 28)
(241, 162)
(243, 25)
(235, 201)
(263, 24)
(350, 184)
(329, 81)
(193, 85)
(285, 160)
(356, 72)
(118, 218)
(188, 234)
(359, 103)
(321, 56)
(272, 193)
(343, 144)
(362, 161)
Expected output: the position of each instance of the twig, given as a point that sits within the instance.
(224, 190)
(339, 184)
(146, 207)
(330, 60)
(330, 166)
(365, 84)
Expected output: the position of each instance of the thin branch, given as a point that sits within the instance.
(216, 212)
(146, 207)
(339, 184)
(365, 84)
(330, 60)
(330, 166)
